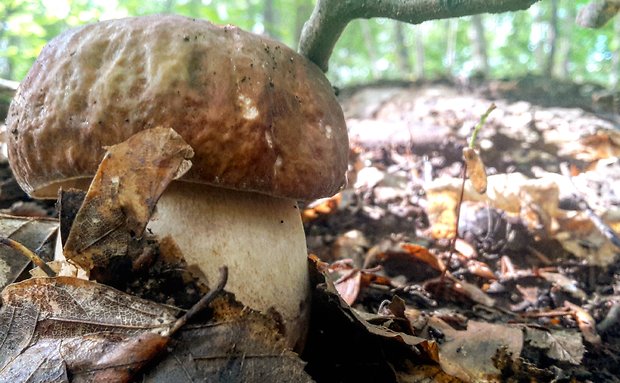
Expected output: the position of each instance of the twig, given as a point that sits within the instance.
(480, 124)
(23, 250)
(203, 303)
(562, 311)
(472, 143)
(597, 13)
(330, 18)
(456, 224)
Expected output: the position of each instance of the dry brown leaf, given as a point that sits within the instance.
(586, 323)
(476, 172)
(123, 194)
(530, 296)
(457, 289)
(69, 203)
(421, 253)
(33, 233)
(564, 282)
(473, 292)
(535, 201)
(480, 269)
(320, 207)
(441, 210)
(416, 373)
(330, 300)
(469, 354)
(58, 327)
(579, 236)
(236, 345)
(465, 248)
(348, 286)
(565, 346)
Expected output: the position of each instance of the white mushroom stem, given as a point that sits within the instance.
(260, 238)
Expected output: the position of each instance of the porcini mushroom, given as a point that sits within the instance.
(263, 121)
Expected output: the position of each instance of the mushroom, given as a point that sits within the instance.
(263, 121)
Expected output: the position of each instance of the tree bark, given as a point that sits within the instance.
(402, 52)
(597, 13)
(552, 39)
(269, 19)
(615, 64)
(537, 31)
(168, 6)
(451, 29)
(479, 42)
(419, 54)
(304, 10)
(330, 17)
(564, 42)
(370, 48)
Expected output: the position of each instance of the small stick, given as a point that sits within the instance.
(202, 303)
(26, 252)
(483, 120)
(472, 142)
(562, 311)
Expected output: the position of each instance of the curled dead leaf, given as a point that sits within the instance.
(421, 253)
(123, 194)
(586, 323)
(475, 170)
(36, 234)
(469, 354)
(54, 327)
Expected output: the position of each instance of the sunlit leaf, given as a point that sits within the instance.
(475, 170)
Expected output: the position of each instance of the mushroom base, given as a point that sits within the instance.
(260, 238)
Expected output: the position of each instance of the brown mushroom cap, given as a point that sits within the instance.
(259, 116)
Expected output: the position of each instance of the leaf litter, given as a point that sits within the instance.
(535, 263)
(61, 329)
(533, 270)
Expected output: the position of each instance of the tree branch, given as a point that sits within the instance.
(597, 13)
(330, 17)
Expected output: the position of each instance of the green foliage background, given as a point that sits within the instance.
(516, 42)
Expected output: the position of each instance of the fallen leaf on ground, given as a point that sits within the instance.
(565, 346)
(586, 323)
(348, 286)
(237, 344)
(53, 328)
(421, 253)
(33, 233)
(348, 333)
(457, 290)
(565, 283)
(480, 269)
(123, 194)
(320, 207)
(590, 244)
(535, 201)
(469, 354)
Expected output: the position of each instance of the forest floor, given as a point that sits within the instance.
(530, 290)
